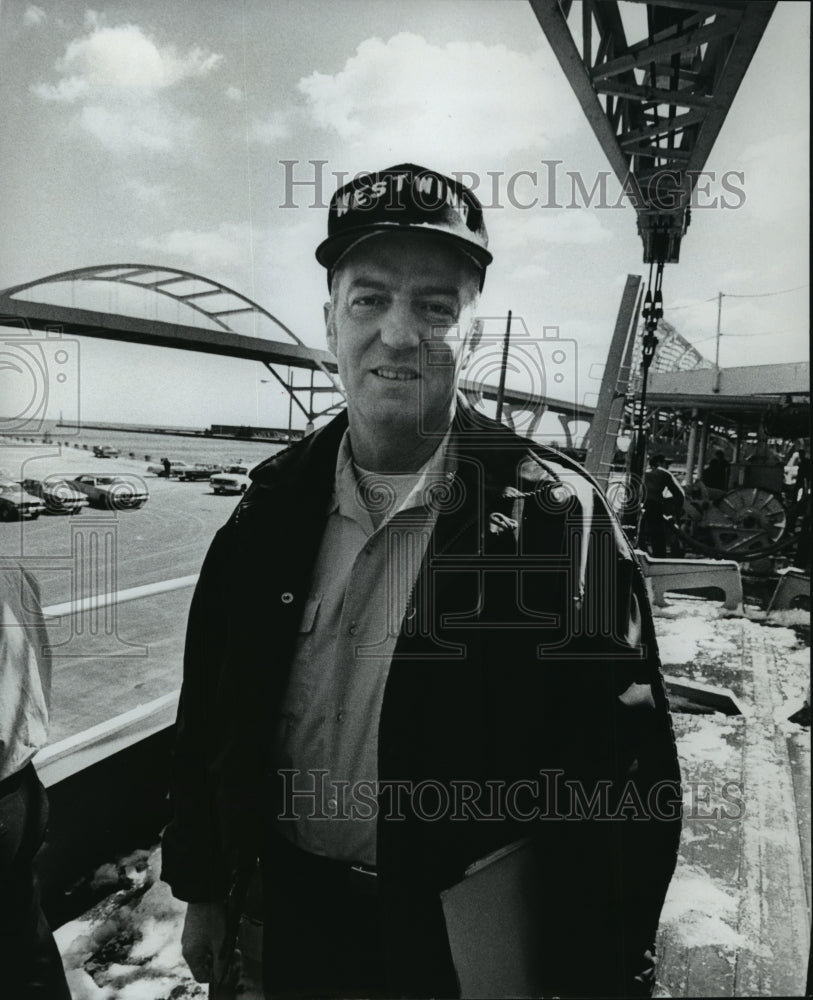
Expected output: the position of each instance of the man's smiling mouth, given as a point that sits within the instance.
(396, 374)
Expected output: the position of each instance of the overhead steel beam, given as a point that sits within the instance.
(554, 23)
(727, 82)
(639, 56)
(694, 57)
(653, 95)
(704, 6)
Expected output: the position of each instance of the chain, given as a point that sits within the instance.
(652, 313)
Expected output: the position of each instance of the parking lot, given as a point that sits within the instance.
(109, 662)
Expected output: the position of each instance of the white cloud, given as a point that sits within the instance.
(66, 91)
(527, 273)
(271, 129)
(202, 251)
(535, 230)
(122, 129)
(573, 226)
(234, 93)
(118, 79)
(147, 192)
(123, 58)
(34, 16)
(767, 199)
(457, 105)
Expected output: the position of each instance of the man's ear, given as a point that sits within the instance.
(472, 341)
(330, 328)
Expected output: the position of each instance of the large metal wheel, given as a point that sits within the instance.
(745, 523)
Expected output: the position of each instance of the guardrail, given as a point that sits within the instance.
(75, 753)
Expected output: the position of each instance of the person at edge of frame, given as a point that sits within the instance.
(657, 482)
(716, 473)
(415, 598)
(30, 964)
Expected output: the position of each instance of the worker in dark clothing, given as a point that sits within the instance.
(797, 503)
(715, 474)
(657, 481)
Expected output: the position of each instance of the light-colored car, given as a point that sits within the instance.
(105, 451)
(175, 468)
(114, 492)
(233, 479)
(16, 504)
(57, 494)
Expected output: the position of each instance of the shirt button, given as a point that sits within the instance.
(286, 597)
(353, 630)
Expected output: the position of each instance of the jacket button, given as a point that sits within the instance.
(286, 597)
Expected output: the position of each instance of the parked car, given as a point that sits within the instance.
(114, 492)
(57, 494)
(17, 504)
(175, 468)
(233, 479)
(105, 451)
(198, 471)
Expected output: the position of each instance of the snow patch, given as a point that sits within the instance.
(789, 617)
(703, 741)
(128, 947)
(685, 640)
(698, 911)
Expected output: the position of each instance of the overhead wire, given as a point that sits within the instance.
(737, 295)
(765, 295)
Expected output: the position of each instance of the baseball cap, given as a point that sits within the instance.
(405, 197)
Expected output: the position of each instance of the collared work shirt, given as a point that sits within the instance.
(374, 542)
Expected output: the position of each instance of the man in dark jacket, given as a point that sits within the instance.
(419, 639)
(715, 474)
(658, 482)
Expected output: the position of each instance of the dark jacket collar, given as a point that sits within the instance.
(311, 462)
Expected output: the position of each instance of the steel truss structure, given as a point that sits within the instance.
(656, 104)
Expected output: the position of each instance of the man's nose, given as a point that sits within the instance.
(401, 329)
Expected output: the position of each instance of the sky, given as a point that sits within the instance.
(183, 135)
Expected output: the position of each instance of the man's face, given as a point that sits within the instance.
(401, 312)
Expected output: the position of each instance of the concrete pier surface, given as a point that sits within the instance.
(737, 917)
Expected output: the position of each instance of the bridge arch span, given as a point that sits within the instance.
(166, 281)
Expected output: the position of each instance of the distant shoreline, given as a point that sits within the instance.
(273, 435)
(130, 429)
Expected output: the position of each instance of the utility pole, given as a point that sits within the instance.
(501, 389)
(716, 386)
(290, 403)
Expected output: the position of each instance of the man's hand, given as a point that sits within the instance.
(203, 931)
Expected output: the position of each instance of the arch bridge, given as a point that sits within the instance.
(168, 307)
(208, 317)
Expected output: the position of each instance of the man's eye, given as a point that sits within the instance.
(367, 300)
(440, 309)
